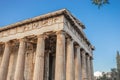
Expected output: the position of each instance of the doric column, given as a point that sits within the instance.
(88, 68)
(70, 66)
(60, 57)
(19, 72)
(5, 62)
(1, 52)
(46, 69)
(84, 68)
(78, 70)
(91, 68)
(39, 60)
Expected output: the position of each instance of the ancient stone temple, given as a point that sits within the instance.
(48, 47)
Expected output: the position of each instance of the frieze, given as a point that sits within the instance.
(28, 27)
(6, 33)
(31, 26)
(35, 25)
(45, 22)
(20, 29)
(12, 31)
(1, 34)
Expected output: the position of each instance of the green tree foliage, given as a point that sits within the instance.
(99, 3)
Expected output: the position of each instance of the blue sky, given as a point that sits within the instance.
(102, 25)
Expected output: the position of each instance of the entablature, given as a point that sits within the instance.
(33, 28)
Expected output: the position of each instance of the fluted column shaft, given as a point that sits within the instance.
(60, 57)
(19, 72)
(89, 68)
(78, 70)
(39, 60)
(84, 68)
(70, 67)
(5, 62)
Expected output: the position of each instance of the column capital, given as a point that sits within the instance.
(70, 40)
(60, 32)
(88, 57)
(42, 36)
(22, 39)
(91, 58)
(8, 43)
(1, 43)
(12, 42)
(83, 52)
(77, 46)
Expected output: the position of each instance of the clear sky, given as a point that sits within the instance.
(102, 25)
